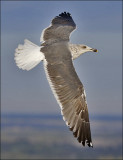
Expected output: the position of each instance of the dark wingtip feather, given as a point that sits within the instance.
(90, 144)
(83, 143)
(71, 129)
(64, 18)
(75, 134)
(65, 14)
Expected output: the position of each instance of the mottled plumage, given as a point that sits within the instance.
(57, 54)
(60, 28)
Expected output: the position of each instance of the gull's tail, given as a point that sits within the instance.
(28, 56)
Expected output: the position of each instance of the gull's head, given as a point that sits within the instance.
(85, 48)
(78, 49)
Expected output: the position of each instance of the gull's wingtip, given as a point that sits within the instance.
(90, 144)
(65, 14)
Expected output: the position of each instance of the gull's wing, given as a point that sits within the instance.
(60, 28)
(68, 90)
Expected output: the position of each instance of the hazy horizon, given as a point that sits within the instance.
(31, 136)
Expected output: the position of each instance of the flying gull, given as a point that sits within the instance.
(57, 55)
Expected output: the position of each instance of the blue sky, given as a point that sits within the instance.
(98, 26)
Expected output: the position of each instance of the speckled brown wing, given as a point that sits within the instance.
(60, 28)
(68, 90)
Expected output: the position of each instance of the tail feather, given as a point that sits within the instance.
(28, 56)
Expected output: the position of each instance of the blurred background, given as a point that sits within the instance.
(31, 123)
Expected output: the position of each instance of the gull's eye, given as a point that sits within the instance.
(83, 46)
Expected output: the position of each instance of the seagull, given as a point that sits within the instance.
(57, 54)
